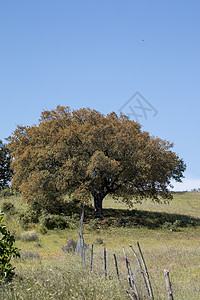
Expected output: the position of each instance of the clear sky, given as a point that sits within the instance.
(98, 54)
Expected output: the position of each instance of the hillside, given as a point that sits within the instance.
(168, 234)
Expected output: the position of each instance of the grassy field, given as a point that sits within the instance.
(169, 235)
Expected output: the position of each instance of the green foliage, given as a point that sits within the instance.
(8, 191)
(172, 226)
(30, 216)
(65, 217)
(7, 251)
(55, 221)
(84, 154)
(43, 229)
(5, 161)
(8, 207)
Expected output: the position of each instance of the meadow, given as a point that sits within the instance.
(169, 235)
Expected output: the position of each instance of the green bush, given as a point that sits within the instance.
(55, 221)
(30, 216)
(7, 192)
(43, 229)
(172, 226)
(8, 207)
(7, 251)
(64, 216)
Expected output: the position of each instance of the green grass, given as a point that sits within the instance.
(164, 246)
(63, 277)
(184, 203)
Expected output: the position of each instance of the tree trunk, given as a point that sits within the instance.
(98, 199)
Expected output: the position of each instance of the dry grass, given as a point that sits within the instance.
(59, 274)
(61, 278)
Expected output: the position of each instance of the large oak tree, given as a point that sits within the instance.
(85, 154)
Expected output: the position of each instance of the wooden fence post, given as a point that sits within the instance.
(116, 266)
(105, 264)
(130, 277)
(168, 285)
(92, 252)
(141, 270)
(146, 272)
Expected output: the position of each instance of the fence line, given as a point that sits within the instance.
(131, 271)
(113, 266)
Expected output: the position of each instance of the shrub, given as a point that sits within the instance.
(8, 208)
(30, 216)
(43, 229)
(29, 236)
(55, 221)
(172, 226)
(7, 192)
(167, 225)
(7, 251)
(70, 247)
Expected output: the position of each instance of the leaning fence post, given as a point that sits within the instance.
(168, 285)
(92, 252)
(130, 277)
(116, 266)
(105, 265)
(80, 243)
(146, 272)
(141, 270)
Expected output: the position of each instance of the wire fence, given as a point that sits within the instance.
(129, 268)
(113, 266)
(184, 285)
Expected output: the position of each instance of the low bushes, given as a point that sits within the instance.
(8, 208)
(64, 216)
(55, 221)
(70, 247)
(29, 236)
(7, 192)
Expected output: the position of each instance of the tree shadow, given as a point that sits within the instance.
(149, 219)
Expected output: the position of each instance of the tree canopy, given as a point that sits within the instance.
(85, 154)
(5, 160)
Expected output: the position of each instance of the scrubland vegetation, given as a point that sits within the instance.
(169, 235)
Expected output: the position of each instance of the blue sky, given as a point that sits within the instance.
(98, 54)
